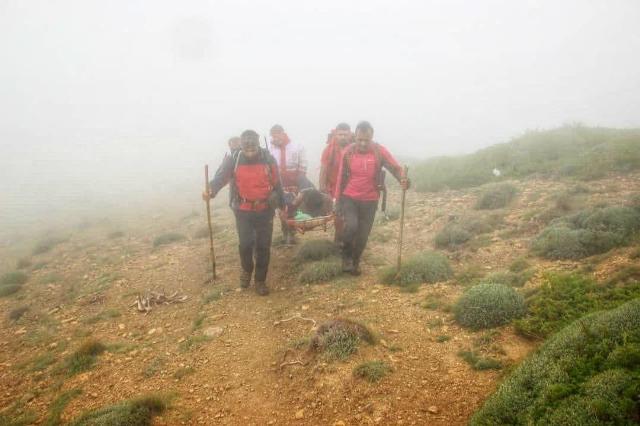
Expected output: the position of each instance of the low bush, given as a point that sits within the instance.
(586, 374)
(340, 338)
(496, 196)
(17, 313)
(23, 263)
(316, 250)
(488, 305)
(320, 271)
(462, 229)
(563, 298)
(589, 232)
(519, 265)
(84, 357)
(137, 412)
(16, 277)
(425, 267)
(479, 362)
(511, 279)
(11, 282)
(372, 371)
(58, 405)
(46, 245)
(168, 238)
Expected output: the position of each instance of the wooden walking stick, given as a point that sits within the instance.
(213, 256)
(404, 193)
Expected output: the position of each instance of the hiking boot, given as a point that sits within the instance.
(347, 264)
(261, 288)
(245, 279)
(355, 271)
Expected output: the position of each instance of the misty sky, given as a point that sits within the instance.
(104, 97)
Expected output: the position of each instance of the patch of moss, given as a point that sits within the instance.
(340, 338)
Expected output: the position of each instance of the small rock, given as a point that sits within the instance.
(152, 331)
(300, 414)
(53, 345)
(433, 409)
(213, 331)
(27, 397)
(339, 423)
(93, 394)
(21, 331)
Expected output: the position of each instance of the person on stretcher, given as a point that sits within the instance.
(308, 204)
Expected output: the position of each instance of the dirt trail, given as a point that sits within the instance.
(234, 377)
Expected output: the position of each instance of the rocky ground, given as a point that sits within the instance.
(227, 356)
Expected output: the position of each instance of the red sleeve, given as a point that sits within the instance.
(390, 163)
(336, 194)
(326, 153)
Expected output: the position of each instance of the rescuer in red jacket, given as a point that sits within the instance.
(358, 190)
(255, 194)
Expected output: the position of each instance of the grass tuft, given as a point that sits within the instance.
(425, 267)
(463, 229)
(316, 250)
(136, 412)
(84, 357)
(16, 277)
(168, 238)
(372, 371)
(478, 362)
(17, 313)
(23, 263)
(488, 305)
(47, 245)
(320, 271)
(340, 338)
(496, 196)
(589, 232)
(58, 405)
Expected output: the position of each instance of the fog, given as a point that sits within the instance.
(103, 102)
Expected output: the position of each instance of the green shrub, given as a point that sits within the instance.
(519, 265)
(46, 245)
(58, 405)
(340, 338)
(573, 150)
(84, 357)
(588, 232)
(576, 377)
(115, 234)
(563, 298)
(470, 275)
(478, 362)
(17, 313)
(168, 238)
(464, 228)
(320, 271)
(496, 196)
(372, 371)
(425, 267)
(16, 277)
(451, 236)
(7, 290)
(23, 263)
(137, 412)
(315, 250)
(512, 279)
(488, 305)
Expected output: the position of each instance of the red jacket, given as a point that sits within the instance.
(330, 165)
(358, 175)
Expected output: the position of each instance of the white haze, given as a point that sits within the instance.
(106, 101)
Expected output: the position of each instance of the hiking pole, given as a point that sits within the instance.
(213, 256)
(404, 193)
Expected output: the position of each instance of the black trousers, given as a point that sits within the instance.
(358, 221)
(255, 230)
